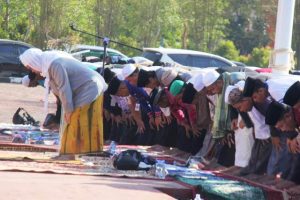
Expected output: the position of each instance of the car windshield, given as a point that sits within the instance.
(197, 61)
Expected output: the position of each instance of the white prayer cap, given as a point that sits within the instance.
(210, 77)
(240, 85)
(127, 70)
(185, 76)
(168, 76)
(26, 81)
(197, 82)
(227, 92)
(120, 77)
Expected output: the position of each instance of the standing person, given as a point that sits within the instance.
(216, 84)
(81, 93)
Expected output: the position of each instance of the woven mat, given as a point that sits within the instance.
(102, 167)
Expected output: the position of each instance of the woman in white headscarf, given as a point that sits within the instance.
(81, 93)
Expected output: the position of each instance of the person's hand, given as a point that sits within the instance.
(115, 119)
(187, 129)
(293, 145)
(130, 120)
(234, 124)
(106, 115)
(151, 122)
(118, 120)
(68, 117)
(265, 142)
(196, 130)
(276, 143)
(140, 126)
(242, 124)
(158, 122)
(228, 139)
(167, 119)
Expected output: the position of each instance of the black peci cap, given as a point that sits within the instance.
(292, 95)
(108, 75)
(188, 93)
(252, 85)
(113, 86)
(274, 113)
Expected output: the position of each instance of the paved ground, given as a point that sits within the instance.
(13, 96)
(33, 186)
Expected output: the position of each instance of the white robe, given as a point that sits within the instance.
(243, 144)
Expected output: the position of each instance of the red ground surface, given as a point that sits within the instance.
(36, 186)
(13, 96)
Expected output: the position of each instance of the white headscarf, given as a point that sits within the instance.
(40, 61)
(26, 81)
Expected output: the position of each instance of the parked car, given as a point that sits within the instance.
(93, 53)
(10, 64)
(187, 58)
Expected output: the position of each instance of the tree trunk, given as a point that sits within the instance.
(44, 23)
(6, 17)
(184, 35)
(98, 14)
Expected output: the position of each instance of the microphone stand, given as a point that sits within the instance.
(105, 44)
(72, 26)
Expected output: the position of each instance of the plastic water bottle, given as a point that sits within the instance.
(197, 197)
(160, 169)
(112, 148)
(27, 139)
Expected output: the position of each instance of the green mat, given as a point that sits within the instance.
(218, 188)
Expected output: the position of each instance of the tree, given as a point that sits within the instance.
(248, 26)
(227, 49)
(260, 57)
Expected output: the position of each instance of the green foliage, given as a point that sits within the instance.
(192, 24)
(260, 57)
(227, 49)
(247, 26)
(243, 59)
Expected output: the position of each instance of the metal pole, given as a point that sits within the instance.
(105, 43)
(72, 26)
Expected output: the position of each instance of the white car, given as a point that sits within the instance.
(188, 58)
(85, 52)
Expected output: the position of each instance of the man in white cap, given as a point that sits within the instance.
(168, 77)
(200, 101)
(130, 73)
(216, 84)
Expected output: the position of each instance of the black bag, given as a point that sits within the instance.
(21, 116)
(128, 160)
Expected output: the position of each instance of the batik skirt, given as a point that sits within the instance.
(84, 133)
